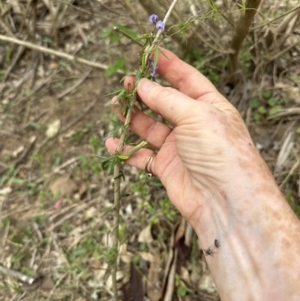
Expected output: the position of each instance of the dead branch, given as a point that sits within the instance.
(16, 58)
(241, 31)
(286, 21)
(287, 27)
(25, 153)
(85, 111)
(277, 18)
(64, 55)
(285, 112)
(32, 34)
(76, 85)
(6, 28)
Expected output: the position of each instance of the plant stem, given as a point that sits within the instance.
(166, 18)
(156, 39)
(115, 234)
(127, 36)
(241, 31)
(119, 150)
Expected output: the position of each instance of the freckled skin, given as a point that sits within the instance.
(246, 204)
(217, 180)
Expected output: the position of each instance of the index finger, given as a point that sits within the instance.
(183, 76)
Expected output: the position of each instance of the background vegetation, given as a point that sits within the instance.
(59, 60)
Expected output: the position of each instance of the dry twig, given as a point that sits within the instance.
(23, 156)
(56, 53)
(76, 85)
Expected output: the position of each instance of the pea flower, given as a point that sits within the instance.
(153, 72)
(152, 68)
(153, 18)
(160, 25)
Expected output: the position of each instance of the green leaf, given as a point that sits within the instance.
(109, 163)
(3, 180)
(120, 95)
(105, 33)
(137, 76)
(267, 94)
(262, 110)
(27, 92)
(154, 221)
(181, 291)
(79, 251)
(274, 110)
(253, 103)
(212, 5)
(115, 67)
(298, 130)
(35, 125)
(272, 101)
(128, 31)
(243, 6)
(155, 57)
(63, 64)
(151, 211)
(111, 34)
(18, 181)
(123, 157)
(2, 72)
(110, 255)
(95, 143)
(257, 117)
(27, 271)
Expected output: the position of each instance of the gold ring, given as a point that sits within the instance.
(148, 165)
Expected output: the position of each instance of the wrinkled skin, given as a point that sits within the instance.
(218, 181)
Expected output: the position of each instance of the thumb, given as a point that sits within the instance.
(168, 102)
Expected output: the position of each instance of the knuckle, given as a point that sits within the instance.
(165, 93)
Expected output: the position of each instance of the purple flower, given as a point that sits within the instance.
(152, 68)
(160, 25)
(150, 62)
(153, 18)
(153, 72)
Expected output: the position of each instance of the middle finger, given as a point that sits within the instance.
(149, 129)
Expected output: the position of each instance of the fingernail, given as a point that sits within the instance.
(145, 85)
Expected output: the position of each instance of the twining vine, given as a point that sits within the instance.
(126, 102)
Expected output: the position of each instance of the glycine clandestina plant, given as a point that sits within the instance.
(127, 99)
(126, 102)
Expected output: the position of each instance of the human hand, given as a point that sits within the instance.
(216, 178)
(196, 158)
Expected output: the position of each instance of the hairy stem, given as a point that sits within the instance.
(119, 150)
(156, 39)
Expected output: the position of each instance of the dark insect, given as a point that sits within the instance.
(217, 244)
(208, 252)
